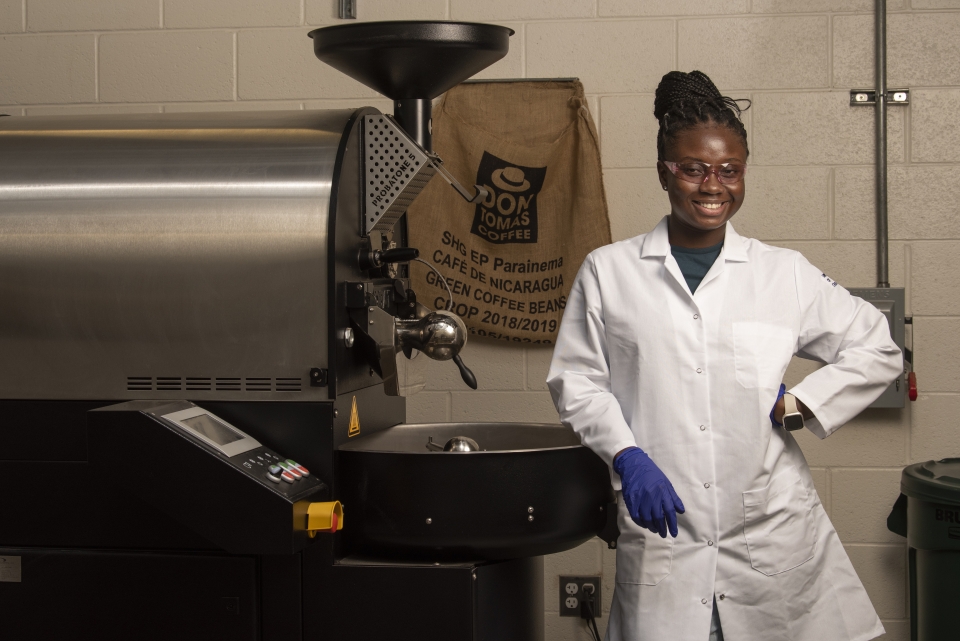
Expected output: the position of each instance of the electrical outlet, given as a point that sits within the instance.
(574, 589)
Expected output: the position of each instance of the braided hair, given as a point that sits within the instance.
(685, 100)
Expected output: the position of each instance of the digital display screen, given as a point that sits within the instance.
(211, 428)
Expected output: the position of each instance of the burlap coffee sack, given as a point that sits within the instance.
(511, 260)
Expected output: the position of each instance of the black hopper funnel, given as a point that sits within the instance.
(411, 62)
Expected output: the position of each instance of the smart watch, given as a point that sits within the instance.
(792, 418)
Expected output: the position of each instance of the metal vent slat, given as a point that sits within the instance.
(289, 384)
(169, 383)
(198, 384)
(228, 384)
(258, 384)
(139, 383)
(220, 384)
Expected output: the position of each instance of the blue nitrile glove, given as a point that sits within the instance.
(649, 495)
(783, 390)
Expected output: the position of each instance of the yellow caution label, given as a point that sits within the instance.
(354, 420)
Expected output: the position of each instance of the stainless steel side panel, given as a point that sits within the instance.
(165, 256)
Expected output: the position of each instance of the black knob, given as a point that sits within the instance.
(398, 255)
(465, 373)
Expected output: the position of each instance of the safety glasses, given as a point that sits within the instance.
(698, 172)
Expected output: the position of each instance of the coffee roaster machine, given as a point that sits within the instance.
(201, 432)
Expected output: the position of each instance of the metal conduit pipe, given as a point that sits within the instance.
(880, 32)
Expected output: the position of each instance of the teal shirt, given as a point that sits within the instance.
(695, 263)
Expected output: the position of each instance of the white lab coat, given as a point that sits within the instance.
(691, 379)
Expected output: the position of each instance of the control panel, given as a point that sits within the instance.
(280, 474)
(211, 476)
(286, 475)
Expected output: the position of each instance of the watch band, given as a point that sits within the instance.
(790, 404)
(792, 418)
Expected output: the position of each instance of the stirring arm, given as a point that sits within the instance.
(437, 164)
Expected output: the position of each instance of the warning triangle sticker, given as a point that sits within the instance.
(354, 420)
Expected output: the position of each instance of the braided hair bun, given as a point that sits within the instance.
(685, 100)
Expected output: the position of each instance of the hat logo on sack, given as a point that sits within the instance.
(510, 179)
(509, 212)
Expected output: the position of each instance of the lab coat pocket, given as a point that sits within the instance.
(642, 557)
(778, 524)
(762, 352)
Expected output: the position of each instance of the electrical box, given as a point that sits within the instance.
(890, 301)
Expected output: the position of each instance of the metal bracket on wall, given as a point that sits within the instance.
(868, 97)
(348, 10)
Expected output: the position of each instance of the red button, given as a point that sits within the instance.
(288, 477)
(303, 470)
(292, 469)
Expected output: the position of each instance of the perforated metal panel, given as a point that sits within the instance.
(396, 171)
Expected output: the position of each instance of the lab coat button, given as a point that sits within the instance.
(703, 428)
(696, 316)
(722, 597)
(699, 371)
(706, 485)
(710, 543)
(703, 601)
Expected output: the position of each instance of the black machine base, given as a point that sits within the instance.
(117, 596)
(66, 594)
(500, 601)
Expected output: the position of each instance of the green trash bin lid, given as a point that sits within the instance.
(934, 481)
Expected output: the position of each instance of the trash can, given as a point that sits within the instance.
(928, 514)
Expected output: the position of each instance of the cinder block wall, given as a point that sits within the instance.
(810, 180)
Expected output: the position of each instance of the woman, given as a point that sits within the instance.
(669, 359)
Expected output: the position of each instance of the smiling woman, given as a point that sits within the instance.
(702, 153)
(676, 342)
